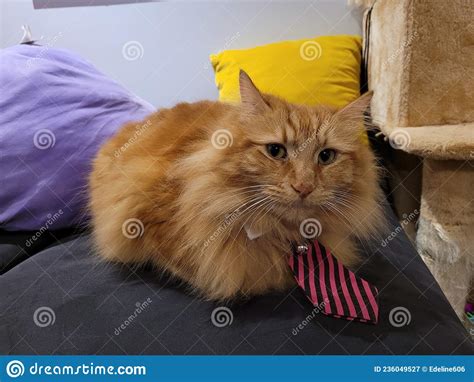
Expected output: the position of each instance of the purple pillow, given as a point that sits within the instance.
(56, 110)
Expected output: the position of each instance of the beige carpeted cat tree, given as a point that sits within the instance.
(420, 57)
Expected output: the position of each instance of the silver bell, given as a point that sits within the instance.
(302, 248)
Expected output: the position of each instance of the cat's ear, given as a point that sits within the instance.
(356, 109)
(250, 96)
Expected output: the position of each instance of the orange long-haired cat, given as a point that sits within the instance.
(215, 193)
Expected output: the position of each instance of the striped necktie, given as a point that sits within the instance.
(331, 287)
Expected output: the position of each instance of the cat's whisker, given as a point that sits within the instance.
(334, 208)
(349, 201)
(350, 221)
(264, 211)
(253, 201)
(258, 211)
(243, 225)
(255, 210)
(345, 221)
(222, 196)
(237, 209)
(349, 208)
(255, 207)
(267, 210)
(248, 199)
(210, 202)
(234, 194)
(237, 190)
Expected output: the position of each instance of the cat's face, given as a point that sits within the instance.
(301, 157)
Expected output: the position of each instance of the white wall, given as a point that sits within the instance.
(176, 37)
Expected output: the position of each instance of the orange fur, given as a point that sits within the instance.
(194, 199)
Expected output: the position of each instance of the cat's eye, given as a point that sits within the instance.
(327, 156)
(277, 151)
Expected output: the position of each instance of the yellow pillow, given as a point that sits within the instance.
(320, 70)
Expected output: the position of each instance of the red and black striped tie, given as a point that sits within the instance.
(331, 287)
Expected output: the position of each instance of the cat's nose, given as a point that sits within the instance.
(303, 189)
